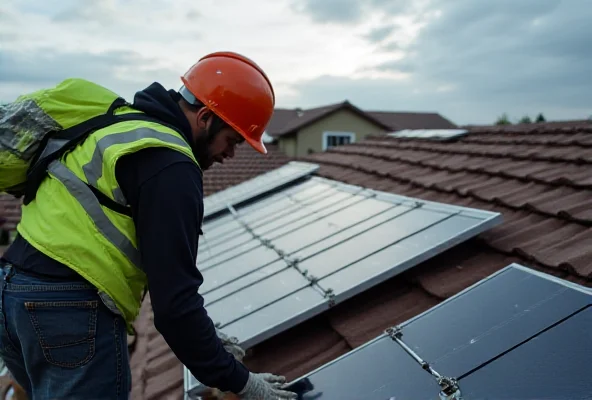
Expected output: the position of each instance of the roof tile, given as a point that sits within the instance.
(168, 384)
(370, 313)
(246, 164)
(10, 209)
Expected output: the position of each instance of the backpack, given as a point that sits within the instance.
(42, 126)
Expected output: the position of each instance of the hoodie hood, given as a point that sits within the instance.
(160, 103)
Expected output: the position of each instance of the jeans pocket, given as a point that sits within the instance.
(66, 330)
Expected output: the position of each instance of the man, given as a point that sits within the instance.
(121, 210)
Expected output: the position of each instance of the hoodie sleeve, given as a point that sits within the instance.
(164, 189)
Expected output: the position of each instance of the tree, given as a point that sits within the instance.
(503, 120)
(540, 118)
(525, 120)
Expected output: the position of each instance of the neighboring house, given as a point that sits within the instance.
(538, 179)
(300, 132)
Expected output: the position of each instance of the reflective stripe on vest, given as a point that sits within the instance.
(93, 170)
(91, 205)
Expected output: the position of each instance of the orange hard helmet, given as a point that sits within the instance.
(235, 89)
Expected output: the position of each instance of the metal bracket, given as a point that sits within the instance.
(330, 294)
(450, 389)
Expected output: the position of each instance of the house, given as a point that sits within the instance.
(538, 179)
(300, 132)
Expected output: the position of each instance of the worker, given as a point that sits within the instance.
(74, 277)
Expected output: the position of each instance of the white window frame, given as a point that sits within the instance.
(326, 134)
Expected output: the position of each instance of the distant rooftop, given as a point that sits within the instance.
(286, 121)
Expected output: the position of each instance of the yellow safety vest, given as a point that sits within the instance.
(66, 222)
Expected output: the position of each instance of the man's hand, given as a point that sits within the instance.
(265, 387)
(231, 345)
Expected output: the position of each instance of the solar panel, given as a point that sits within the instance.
(554, 366)
(518, 334)
(434, 134)
(257, 186)
(267, 268)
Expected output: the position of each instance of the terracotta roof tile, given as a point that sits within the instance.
(166, 384)
(450, 272)
(367, 315)
(536, 176)
(310, 346)
(10, 209)
(246, 164)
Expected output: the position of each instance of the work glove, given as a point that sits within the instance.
(231, 345)
(265, 387)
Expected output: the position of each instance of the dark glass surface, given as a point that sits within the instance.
(378, 371)
(555, 365)
(488, 320)
(485, 338)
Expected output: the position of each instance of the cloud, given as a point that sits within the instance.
(285, 44)
(472, 61)
(469, 60)
(325, 11)
(350, 12)
(122, 71)
(379, 34)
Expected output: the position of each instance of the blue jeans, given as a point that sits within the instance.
(60, 341)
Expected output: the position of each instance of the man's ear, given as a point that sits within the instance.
(203, 115)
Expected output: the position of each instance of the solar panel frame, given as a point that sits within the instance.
(430, 134)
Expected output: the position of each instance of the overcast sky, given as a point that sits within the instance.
(469, 60)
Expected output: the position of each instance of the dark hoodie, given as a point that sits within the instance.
(164, 190)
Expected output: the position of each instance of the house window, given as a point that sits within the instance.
(331, 139)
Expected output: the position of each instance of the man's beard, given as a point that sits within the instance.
(201, 150)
